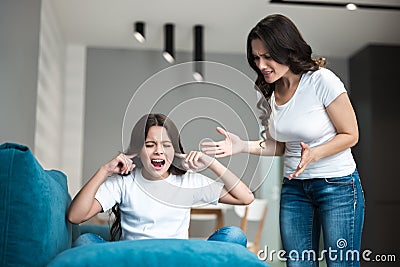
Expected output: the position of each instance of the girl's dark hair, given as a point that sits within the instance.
(138, 137)
(286, 46)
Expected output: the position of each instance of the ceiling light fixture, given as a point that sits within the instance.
(169, 53)
(351, 6)
(198, 53)
(138, 31)
(335, 4)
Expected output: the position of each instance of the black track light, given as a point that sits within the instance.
(198, 74)
(138, 31)
(169, 53)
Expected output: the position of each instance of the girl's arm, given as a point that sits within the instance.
(233, 145)
(84, 205)
(234, 190)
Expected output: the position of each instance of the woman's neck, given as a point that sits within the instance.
(285, 88)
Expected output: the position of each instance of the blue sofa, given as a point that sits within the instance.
(34, 230)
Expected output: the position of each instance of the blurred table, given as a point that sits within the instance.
(210, 212)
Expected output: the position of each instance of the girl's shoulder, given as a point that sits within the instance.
(118, 178)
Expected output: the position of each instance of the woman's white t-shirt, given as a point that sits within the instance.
(157, 208)
(304, 119)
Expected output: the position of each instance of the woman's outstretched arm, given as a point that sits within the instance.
(232, 144)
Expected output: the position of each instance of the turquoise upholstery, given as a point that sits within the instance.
(160, 252)
(33, 226)
(34, 230)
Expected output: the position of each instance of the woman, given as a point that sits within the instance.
(309, 120)
(150, 191)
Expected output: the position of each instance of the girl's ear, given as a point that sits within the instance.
(131, 156)
(137, 161)
(135, 157)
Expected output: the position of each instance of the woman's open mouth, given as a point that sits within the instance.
(267, 73)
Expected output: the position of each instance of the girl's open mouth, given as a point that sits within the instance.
(158, 163)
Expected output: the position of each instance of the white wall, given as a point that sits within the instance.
(49, 128)
(19, 53)
(35, 110)
(74, 100)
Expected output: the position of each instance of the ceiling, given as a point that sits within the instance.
(331, 31)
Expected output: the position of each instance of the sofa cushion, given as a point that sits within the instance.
(159, 252)
(33, 226)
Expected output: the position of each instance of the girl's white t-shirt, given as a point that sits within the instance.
(157, 208)
(304, 119)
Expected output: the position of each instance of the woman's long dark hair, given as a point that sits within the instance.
(138, 137)
(286, 46)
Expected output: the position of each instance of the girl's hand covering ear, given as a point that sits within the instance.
(195, 160)
(121, 164)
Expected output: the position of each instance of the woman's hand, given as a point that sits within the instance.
(230, 146)
(195, 160)
(121, 164)
(306, 158)
(234, 191)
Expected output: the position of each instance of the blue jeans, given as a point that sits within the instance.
(334, 204)
(231, 234)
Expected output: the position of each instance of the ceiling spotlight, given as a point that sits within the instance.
(336, 4)
(351, 6)
(169, 53)
(198, 74)
(139, 31)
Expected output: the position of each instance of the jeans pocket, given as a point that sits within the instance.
(343, 180)
(285, 180)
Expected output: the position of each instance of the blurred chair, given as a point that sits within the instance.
(255, 212)
(209, 213)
